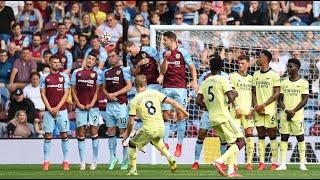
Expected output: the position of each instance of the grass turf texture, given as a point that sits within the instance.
(149, 172)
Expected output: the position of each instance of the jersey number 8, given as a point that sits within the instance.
(150, 107)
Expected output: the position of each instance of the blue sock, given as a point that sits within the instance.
(95, 148)
(81, 148)
(112, 146)
(198, 149)
(181, 125)
(46, 149)
(65, 149)
(125, 153)
(223, 147)
(166, 131)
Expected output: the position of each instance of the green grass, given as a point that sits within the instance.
(148, 172)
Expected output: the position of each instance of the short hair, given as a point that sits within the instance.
(93, 54)
(153, 13)
(2, 51)
(47, 52)
(227, 2)
(178, 13)
(94, 37)
(128, 44)
(26, 48)
(34, 73)
(295, 61)
(140, 81)
(171, 35)
(268, 54)
(145, 36)
(66, 18)
(37, 34)
(244, 57)
(61, 24)
(216, 63)
(54, 57)
(14, 25)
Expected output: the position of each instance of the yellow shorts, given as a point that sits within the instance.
(229, 131)
(244, 122)
(267, 120)
(294, 127)
(143, 136)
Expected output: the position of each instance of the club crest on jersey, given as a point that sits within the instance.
(177, 56)
(118, 72)
(144, 55)
(93, 75)
(61, 79)
(63, 60)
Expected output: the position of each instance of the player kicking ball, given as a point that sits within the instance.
(147, 105)
(212, 97)
(294, 94)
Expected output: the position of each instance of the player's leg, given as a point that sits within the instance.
(259, 123)
(180, 95)
(158, 143)
(81, 122)
(64, 127)
(248, 131)
(94, 115)
(133, 159)
(285, 134)
(166, 114)
(48, 126)
(122, 114)
(125, 162)
(111, 123)
(271, 126)
(297, 128)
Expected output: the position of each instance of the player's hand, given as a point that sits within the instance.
(88, 106)
(111, 97)
(143, 62)
(167, 54)
(238, 113)
(81, 106)
(160, 79)
(290, 114)
(193, 85)
(259, 108)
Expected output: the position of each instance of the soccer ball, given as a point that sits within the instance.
(105, 38)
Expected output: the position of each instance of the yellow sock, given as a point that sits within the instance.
(274, 150)
(261, 149)
(302, 151)
(233, 148)
(232, 160)
(283, 151)
(133, 157)
(249, 149)
(162, 148)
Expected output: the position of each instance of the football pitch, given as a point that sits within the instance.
(149, 172)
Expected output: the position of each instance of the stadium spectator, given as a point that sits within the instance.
(5, 70)
(96, 16)
(179, 19)
(233, 17)
(121, 12)
(19, 102)
(105, 6)
(62, 34)
(285, 6)
(301, 11)
(316, 10)
(30, 19)
(144, 9)
(45, 56)
(230, 64)
(315, 127)
(13, 55)
(166, 14)
(65, 56)
(36, 49)
(238, 7)
(138, 28)
(275, 16)
(113, 28)
(7, 19)
(99, 51)
(75, 14)
(145, 40)
(17, 6)
(275, 62)
(188, 9)
(217, 6)
(44, 9)
(79, 50)
(254, 15)
(71, 28)
(154, 18)
(203, 19)
(18, 127)
(22, 68)
(305, 64)
(222, 19)
(58, 11)
(205, 9)
(20, 40)
(86, 26)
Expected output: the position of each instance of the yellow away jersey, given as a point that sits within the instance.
(264, 83)
(213, 90)
(243, 85)
(147, 105)
(292, 91)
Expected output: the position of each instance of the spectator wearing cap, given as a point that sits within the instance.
(7, 19)
(5, 70)
(62, 34)
(22, 69)
(97, 15)
(19, 102)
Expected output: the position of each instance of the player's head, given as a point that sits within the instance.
(140, 81)
(145, 40)
(91, 60)
(244, 63)
(293, 66)
(265, 57)
(216, 63)
(95, 42)
(131, 48)
(113, 57)
(54, 63)
(169, 38)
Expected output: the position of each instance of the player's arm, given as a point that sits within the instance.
(280, 102)
(200, 102)
(45, 100)
(275, 96)
(164, 64)
(193, 71)
(302, 103)
(129, 126)
(75, 97)
(125, 89)
(176, 105)
(62, 101)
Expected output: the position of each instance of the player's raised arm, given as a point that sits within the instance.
(176, 105)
